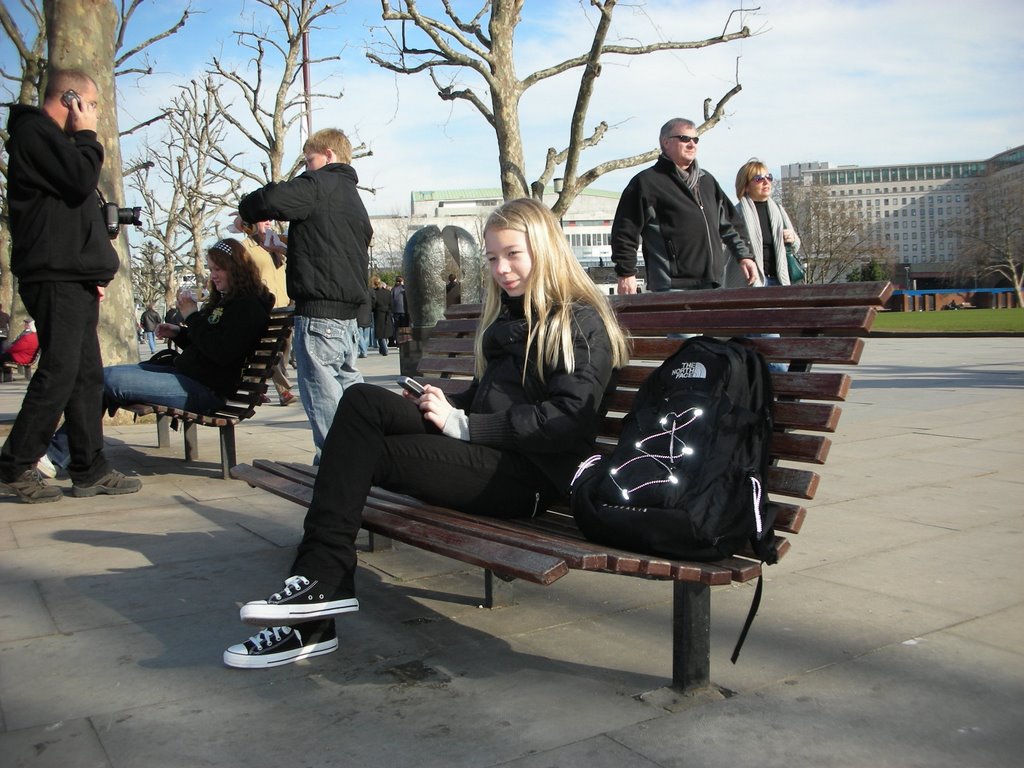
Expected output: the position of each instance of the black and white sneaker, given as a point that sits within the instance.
(275, 646)
(300, 600)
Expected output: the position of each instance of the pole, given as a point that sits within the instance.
(305, 84)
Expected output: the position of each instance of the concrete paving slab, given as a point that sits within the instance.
(24, 614)
(598, 752)
(433, 712)
(57, 745)
(948, 572)
(938, 703)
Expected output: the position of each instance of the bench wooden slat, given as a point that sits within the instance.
(448, 345)
(873, 294)
(460, 366)
(485, 553)
(790, 446)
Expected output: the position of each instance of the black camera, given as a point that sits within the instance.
(115, 217)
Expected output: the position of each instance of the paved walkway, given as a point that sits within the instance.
(890, 636)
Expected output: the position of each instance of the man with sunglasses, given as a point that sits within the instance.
(682, 217)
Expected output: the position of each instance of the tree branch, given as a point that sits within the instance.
(146, 43)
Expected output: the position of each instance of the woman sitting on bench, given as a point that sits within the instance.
(24, 349)
(546, 353)
(214, 341)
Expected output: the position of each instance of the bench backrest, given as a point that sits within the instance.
(817, 324)
(258, 368)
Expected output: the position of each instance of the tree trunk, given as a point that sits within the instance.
(505, 95)
(81, 35)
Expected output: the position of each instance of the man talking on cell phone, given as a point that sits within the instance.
(63, 259)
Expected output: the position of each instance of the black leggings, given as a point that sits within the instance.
(380, 438)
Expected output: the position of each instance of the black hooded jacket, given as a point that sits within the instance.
(553, 422)
(57, 228)
(683, 230)
(329, 234)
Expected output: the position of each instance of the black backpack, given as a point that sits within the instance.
(686, 478)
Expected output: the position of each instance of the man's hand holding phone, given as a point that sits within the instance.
(82, 115)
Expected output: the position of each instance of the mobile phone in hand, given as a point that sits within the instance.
(411, 386)
(68, 97)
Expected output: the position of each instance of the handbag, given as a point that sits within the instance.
(796, 269)
(164, 357)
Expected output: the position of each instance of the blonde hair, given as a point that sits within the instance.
(746, 173)
(332, 139)
(556, 283)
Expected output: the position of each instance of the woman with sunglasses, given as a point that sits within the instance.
(768, 226)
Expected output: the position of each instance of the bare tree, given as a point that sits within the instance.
(271, 107)
(149, 278)
(390, 234)
(992, 231)
(90, 35)
(27, 81)
(484, 45)
(835, 240)
(180, 184)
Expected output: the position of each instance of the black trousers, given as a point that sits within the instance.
(380, 438)
(68, 381)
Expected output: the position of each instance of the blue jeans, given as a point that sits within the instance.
(158, 384)
(364, 340)
(151, 340)
(325, 358)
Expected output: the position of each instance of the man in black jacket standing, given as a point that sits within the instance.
(63, 260)
(683, 218)
(328, 243)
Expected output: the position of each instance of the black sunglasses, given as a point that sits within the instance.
(686, 139)
(763, 177)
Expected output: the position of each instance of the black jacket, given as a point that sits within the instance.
(215, 341)
(383, 321)
(57, 229)
(683, 234)
(555, 422)
(328, 238)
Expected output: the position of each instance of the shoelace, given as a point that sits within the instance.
(292, 583)
(269, 636)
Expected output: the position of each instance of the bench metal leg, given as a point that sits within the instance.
(691, 636)
(498, 591)
(191, 441)
(227, 450)
(163, 431)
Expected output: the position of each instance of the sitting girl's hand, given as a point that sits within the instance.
(433, 405)
(167, 330)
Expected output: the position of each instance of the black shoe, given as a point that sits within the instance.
(32, 489)
(300, 600)
(275, 646)
(112, 483)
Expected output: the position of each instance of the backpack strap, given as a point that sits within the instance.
(754, 605)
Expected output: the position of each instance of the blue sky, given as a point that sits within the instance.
(845, 82)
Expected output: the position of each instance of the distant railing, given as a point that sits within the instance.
(928, 300)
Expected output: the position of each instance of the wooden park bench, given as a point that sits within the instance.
(257, 371)
(817, 324)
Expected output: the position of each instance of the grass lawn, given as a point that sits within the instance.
(960, 321)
